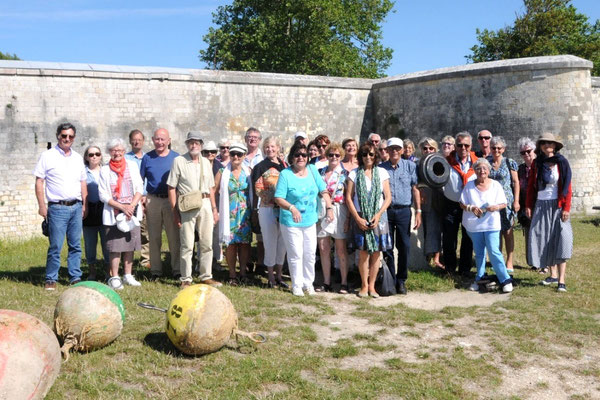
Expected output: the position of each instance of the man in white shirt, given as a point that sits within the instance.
(62, 171)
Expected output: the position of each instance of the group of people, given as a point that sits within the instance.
(323, 195)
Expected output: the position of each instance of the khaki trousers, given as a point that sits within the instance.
(200, 220)
(145, 252)
(159, 215)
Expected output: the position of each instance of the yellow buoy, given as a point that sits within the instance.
(201, 319)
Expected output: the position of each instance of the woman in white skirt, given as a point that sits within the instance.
(335, 180)
(548, 205)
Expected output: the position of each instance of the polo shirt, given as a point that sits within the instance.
(62, 174)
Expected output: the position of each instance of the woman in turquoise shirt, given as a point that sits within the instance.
(296, 194)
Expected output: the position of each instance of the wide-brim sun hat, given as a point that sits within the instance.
(549, 137)
(210, 146)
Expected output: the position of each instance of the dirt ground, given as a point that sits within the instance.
(535, 378)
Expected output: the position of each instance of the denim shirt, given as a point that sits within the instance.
(92, 187)
(402, 179)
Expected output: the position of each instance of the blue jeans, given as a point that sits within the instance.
(490, 241)
(64, 220)
(90, 240)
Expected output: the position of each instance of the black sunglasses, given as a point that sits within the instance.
(484, 137)
(525, 152)
(298, 155)
(224, 147)
(463, 145)
(332, 155)
(368, 154)
(94, 154)
(236, 154)
(65, 136)
(209, 152)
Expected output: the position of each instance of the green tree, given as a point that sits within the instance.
(547, 27)
(7, 56)
(318, 37)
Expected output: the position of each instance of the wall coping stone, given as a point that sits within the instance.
(487, 68)
(42, 68)
(10, 67)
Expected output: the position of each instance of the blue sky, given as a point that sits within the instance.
(424, 34)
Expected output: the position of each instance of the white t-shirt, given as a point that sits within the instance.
(383, 176)
(489, 221)
(550, 192)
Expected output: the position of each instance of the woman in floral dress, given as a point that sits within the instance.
(234, 211)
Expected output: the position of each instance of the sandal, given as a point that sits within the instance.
(343, 289)
(543, 271)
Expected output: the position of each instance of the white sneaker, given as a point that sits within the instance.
(474, 287)
(130, 280)
(507, 288)
(310, 291)
(297, 292)
(115, 283)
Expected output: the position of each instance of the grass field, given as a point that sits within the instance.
(439, 342)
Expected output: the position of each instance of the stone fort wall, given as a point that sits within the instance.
(511, 98)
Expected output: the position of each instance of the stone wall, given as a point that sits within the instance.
(104, 102)
(511, 98)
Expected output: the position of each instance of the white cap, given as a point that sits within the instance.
(300, 134)
(395, 142)
(240, 148)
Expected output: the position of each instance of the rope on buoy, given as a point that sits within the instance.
(255, 337)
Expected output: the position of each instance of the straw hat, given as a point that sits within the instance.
(549, 137)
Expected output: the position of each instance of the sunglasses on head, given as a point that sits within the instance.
(65, 136)
(236, 154)
(98, 154)
(525, 152)
(369, 154)
(461, 145)
(298, 155)
(484, 137)
(209, 152)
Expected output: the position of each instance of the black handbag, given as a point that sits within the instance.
(94, 215)
(384, 284)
